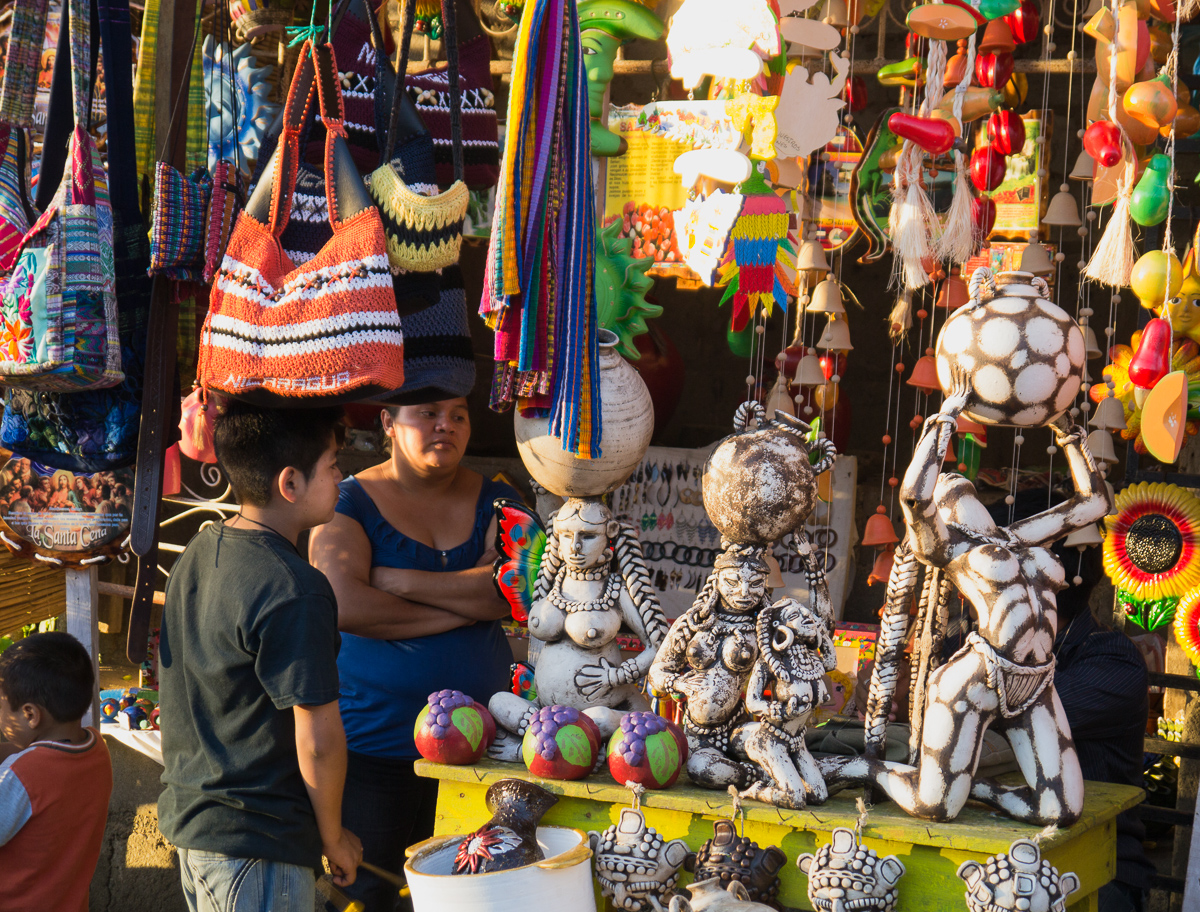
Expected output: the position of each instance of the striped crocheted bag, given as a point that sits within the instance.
(424, 233)
(325, 331)
(58, 303)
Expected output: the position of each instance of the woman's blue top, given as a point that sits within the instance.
(384, 684)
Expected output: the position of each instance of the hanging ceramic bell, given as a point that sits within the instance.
(826, 299)
(879, 530)
(1090, 345)
(778, 399)
(1063, 211)
(924, 373)
(835, 13)
(836, 336)
(1152, 195)
(1036, 259)
(997, 37)
(881, 570)
(966, 426)
(950, 457)
(1110, 415)
(1101, 445)
(811, 256)
(1086, 537)
(1085, 167)
(954, 293)
(809, 372)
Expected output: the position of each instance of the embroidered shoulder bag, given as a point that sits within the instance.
(58, 303)
(325, 331)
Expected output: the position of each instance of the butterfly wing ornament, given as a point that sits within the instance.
(521, 540)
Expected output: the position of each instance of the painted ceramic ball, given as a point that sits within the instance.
(453, 728)
(561, 743)
(647, 749)
(1023, 353)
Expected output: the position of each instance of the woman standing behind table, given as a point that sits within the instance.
(410, 556)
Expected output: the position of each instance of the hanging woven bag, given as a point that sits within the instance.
(424, 233)
(322, 332)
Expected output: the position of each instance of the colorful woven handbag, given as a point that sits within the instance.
(15, 213)
(223, 207)
(327, 330)
(58, 304)
(178, 232)
(95, 430)
(424, 233)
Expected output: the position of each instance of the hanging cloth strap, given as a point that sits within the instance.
(143, 101)
(23, 62)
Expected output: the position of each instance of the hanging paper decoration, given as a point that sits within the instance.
(238, 111)
(760, 253)
(1185, 357)
(1152, 550)
(539, 293)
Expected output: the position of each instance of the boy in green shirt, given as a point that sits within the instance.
(252, 739)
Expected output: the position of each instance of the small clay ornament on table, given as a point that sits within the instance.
(1020, 881)
(635, 867)
(713, 896)
(847, 874)
(509, 839)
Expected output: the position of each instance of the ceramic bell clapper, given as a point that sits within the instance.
(1152, 193)
(509, 839)
(1063, 211)
(826, 298)
(729, 858)
(635, 867)
(848, 875)
(1019, 881)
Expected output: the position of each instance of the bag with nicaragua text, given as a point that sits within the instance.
(326, 330)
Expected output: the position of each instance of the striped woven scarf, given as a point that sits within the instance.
(143, 99)
(539, 293)
(23, 62)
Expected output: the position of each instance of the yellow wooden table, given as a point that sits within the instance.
(931, 852)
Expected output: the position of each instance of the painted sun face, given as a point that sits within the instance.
(1184, 310)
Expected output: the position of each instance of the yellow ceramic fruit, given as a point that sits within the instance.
(1151, 103)
(1156, 278)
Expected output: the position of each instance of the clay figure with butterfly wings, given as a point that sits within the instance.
(578, 584)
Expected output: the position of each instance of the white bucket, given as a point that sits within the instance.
(562, 882)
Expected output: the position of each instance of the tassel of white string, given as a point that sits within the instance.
(1112, 260)
(912, 221)
(959, 239)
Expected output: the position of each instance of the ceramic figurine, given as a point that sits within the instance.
(509, 839)
(795, 650)
(453, 728)
(728, 857)
(635, 867)
(847, 874)
(591, 582)
(1021, 881)
(713, 896)
(1003, 677)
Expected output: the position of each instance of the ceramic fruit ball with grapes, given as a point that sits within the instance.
(1022, 355)
(453, 728)
(560, 743)
(648, 750)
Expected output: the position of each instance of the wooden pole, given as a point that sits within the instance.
(83, 599)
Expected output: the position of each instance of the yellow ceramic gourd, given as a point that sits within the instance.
(1156, 278)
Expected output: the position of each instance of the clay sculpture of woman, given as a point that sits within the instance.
(592, 583)
(1004, 676)
(786, 686)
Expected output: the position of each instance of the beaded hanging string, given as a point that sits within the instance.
(539, 293)
(1112, 261)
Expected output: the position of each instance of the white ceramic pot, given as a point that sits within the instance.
(1024, 355)
(628, 423)
(563, 881)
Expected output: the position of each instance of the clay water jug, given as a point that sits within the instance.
(509, 839)
(627, 412)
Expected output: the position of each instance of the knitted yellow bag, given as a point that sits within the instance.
(424, 233)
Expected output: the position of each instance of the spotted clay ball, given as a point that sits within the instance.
(1024, 355)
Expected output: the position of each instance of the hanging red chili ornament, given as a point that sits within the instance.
(856, 94)
(1152, 360)
(934, 136)
(1006, 132)
(987, 168)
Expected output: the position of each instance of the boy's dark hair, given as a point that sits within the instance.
(255, 444)
(51, 670)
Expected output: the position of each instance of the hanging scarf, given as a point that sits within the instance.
(539, 295)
